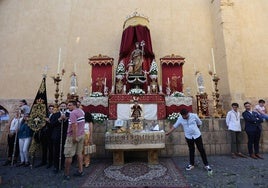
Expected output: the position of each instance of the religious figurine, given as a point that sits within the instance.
(153, 86)
(174, 83)
(135, 65)
(73, 87)
(136, 111)
(119, 87)
(99, 84)
(200, 83)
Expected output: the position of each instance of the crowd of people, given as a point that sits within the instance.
(68, 130)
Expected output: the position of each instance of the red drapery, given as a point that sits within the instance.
(130, 36)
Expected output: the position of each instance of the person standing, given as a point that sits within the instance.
(253, 129)
(46, 142)
(59, 123)
(260, 109)
(191, 123)
(25, 134)
(75, 140)
(12, 140)
(25, 108)
(234, 127)
(88, 137)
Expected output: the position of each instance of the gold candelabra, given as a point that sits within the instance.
(218, 111)
(57, 80)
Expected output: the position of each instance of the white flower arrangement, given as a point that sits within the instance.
(96, 94)
(136, 92)
(177, 94)
(153, 68)
(120, 70)
(173, 117)
(99, 117)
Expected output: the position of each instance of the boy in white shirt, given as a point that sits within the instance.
(234, 126)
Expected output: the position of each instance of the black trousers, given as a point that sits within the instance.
(47, 147)
(11, 142)
(253, 140)
(56, 153)
(199, 144)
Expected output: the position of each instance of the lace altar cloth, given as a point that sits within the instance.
(136, 140)
(187, 101)
(95, 101)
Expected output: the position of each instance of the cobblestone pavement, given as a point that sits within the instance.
(227, 172)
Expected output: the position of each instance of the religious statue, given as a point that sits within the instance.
(136, 114)
(99, 84)
(174, 83)
(119, 87)
(200, 82)
(153, 86)
(73, 87)
(135, 65)
(136, 111)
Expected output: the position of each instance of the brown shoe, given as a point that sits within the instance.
(241, 155)
(253, 156)
(233, 156)
(259, 156)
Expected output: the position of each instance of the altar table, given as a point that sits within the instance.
(151, 141)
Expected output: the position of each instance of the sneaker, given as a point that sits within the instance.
(208, 168)
(189, 167)
(66, 177)
(79, 174)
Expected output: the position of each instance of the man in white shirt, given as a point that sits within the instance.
(234, 126)
(191, 123)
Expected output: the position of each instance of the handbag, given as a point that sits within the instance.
(90, 149)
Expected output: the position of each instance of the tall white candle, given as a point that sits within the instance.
(74, 67)
(105, 81)
(213, 61)
(168, 80)
(58, 71)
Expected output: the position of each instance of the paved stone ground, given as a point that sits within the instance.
(227, 172)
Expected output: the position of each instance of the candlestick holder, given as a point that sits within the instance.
(218, 111)
(57, 80)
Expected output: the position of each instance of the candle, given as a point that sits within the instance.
(213, 61)
(105, 81)
(74, 67)
(58, 71)
(168, 80)
(160, 88)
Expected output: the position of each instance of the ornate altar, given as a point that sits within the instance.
(150, 141)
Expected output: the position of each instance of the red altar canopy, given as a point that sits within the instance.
(101, 72)
(172, 72)
(136, 30)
